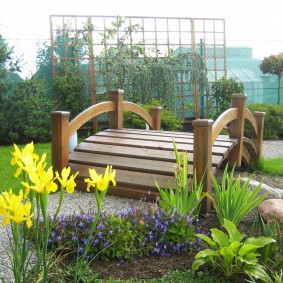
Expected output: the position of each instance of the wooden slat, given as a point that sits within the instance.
(160, 138)
(130, 164)
(188, 135)
(152, 144)
(127, 179)
(143, 153)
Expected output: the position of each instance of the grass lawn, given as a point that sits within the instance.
(272, 166)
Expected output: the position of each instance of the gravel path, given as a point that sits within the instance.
(79, 201)
(272, 149)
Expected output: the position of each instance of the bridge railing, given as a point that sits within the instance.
(206, 131)
(63, 129)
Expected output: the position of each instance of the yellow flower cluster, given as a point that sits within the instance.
(101, 182)
(14, 207)
(17, 207)
(40, 180)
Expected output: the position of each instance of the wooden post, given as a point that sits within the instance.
(203, 157)
(155, 113)
(237, 128)
(60, 139)
(259, 117)
(116, 117)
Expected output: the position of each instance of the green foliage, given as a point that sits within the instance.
(221, 92)
(232, 254)
(70, 90)
(25, 114)
(233, 200)
(145, 78)
(272, 253)
(168, 121)
(272, 166)
(273, 120)
(273, 65)
(180, 198)
(141, 230)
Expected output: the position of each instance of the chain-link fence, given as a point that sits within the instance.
(240, 64)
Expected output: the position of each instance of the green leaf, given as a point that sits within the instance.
(234, 233)
(206, 253)
(260, 241)
(228, 257)
(219, 237)
(235, 246)
(258, 272)
(208, 240)
(197, 263)
(247, 248)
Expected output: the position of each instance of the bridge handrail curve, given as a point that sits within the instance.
(225, 118)
(89, 113)
(134, 108)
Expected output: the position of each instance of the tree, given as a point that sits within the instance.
(7, 65)
(273, 65)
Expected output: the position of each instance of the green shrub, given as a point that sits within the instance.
(25, 114)
(70, 90)
(232, 253)
(168, 121)
(221, 92)
(273, 120)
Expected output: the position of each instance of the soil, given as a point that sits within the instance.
(156, 266)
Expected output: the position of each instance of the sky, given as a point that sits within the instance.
(254, 23)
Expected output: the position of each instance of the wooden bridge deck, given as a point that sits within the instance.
(139, 156)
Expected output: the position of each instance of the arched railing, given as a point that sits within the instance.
(63, 130)
(206, 132)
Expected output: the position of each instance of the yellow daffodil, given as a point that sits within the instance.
(43, 181)
(110, 174)
(28, 163)
(13, 208)
(19, 154)
(101, 182)
(67, 182)
(91, 182)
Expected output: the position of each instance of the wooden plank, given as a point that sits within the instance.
(189, 135)
(160, 138)
(120, 162)
(127, 179)
(216, 150)
(144, 153)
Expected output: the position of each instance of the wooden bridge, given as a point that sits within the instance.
(139, 156)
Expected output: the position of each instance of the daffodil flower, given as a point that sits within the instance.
(43, 181)
(67, 182)
(14, 208)
(91, 182)
(19, 154)
(101, 182)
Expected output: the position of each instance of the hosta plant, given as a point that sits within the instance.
(234, 200)
(232, 253)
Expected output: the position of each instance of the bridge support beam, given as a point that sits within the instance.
(116, 117)
(259, 117)
(203, 157)
(60, 139)
(237, 129)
